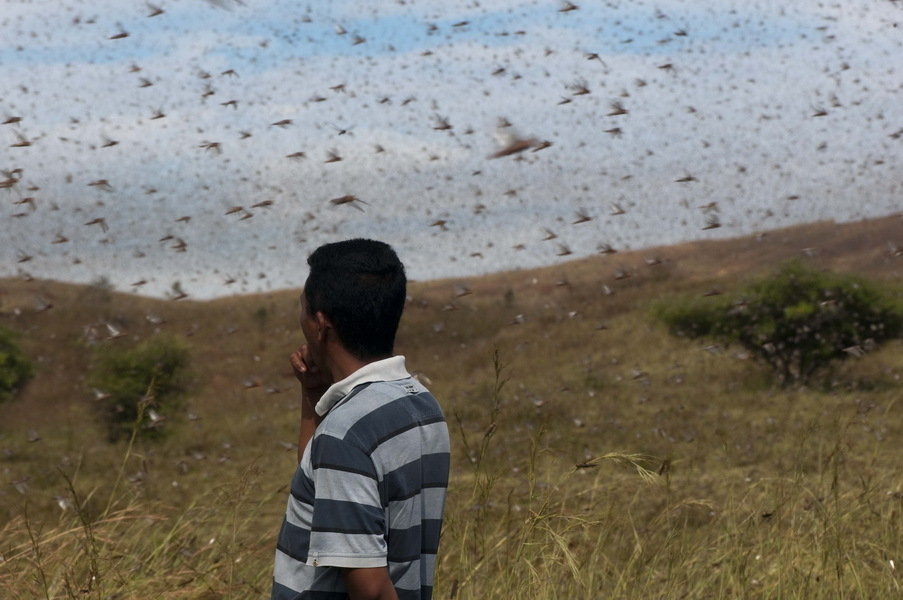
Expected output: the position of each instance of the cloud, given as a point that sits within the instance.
(735, 110)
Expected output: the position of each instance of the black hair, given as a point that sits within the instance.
(360, 285)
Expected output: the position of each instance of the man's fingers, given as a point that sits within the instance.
(298, 360)
(308, 359)
(304, 351)
(302, 361)
(297, 363)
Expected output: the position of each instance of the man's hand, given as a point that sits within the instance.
(369, 584)
(314, 380)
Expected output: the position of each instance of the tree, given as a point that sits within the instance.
(797, 320)
(15, 368)
(140, 387)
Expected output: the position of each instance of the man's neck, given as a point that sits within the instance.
(342, 363)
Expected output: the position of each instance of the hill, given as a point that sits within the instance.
(558, 389)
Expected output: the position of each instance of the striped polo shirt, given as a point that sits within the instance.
(369, 490)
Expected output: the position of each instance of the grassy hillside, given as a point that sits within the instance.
(593, 454)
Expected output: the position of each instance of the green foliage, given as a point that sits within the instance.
(141, 386)
(15, 368)
(691, 316)
(797, 321)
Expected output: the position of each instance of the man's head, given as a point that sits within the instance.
(360, 287)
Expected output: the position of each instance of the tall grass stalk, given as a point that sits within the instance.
(143, 404)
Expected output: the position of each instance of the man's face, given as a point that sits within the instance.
(309, 327)
(303, 318)
(307, 321)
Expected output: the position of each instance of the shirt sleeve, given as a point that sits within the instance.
(349, 523)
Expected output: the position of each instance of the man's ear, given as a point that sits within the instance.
(324, 326)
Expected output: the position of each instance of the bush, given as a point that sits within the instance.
(797, 321)
(140, 387)
(15, 368)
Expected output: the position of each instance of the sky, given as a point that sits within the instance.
(187, 144)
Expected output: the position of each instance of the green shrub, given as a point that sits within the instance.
(797, 320)
(692, 316)
(15, 368)
(142, 386)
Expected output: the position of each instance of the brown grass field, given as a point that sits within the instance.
(597, 457)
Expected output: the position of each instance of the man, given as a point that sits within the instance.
(366, 501)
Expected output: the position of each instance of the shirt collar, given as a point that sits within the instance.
(388, 369)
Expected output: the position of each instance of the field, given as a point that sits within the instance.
(594, 455)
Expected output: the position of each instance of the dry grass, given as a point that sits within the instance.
(587, 462)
